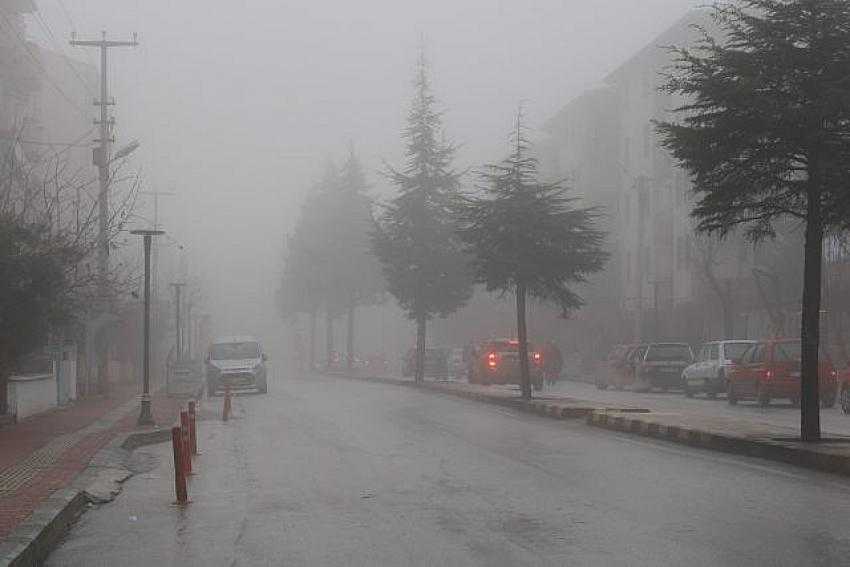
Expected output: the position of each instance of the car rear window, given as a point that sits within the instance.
(668, 352)
(735, 351)
(789, 351)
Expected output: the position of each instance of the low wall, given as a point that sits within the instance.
(29, 395)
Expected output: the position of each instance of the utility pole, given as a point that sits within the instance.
(178, 288)
(101, 157)
(155, 253)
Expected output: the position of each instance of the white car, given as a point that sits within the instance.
(708, 374)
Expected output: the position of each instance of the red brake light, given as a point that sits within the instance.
(768, 374)
(537, 357)
(491, 360)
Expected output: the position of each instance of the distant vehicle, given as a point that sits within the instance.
(436, 363)
(497, 362)
(618, 371)
(660, 365)
(377, 362)
(714, 359)
(457, 363)
(238, 362)
(771, 369)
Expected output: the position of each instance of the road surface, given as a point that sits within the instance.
(325, 471)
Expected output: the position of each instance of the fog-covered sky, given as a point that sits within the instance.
(238, 103)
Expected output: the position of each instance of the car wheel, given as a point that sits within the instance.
(601, 386)
(688, 392)
(263, 387)
(845, 399)
(762, 395)
(731, 394)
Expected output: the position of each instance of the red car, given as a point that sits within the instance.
(497, 362)
(771, 369)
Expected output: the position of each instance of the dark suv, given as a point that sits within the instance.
(661, 366)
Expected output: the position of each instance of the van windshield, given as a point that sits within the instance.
(235, 351)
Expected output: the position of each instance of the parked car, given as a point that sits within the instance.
(436, 363)
(618, 371)
(771, 369)
(660, 365)
(238, 362)
(708, 374)
(497, 362)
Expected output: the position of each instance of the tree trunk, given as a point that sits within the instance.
(724, 297)
(349, 338)
(312, 356)
(810, 320)
(421, 324)
(329, 339)
(522, 335)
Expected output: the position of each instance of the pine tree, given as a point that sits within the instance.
(356, 276)
(415, 238)
(329, 264)
(528, 238)
(765, 133)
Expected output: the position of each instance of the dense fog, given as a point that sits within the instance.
(238, 104)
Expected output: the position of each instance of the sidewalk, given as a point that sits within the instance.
(44, 453)
(742, 435)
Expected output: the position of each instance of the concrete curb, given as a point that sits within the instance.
(810, 456)
(32, 541)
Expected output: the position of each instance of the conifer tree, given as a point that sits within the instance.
(529, 239)
(765, 134)
(415, 238)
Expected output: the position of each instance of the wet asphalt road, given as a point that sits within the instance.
(333, 472)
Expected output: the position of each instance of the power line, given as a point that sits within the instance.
(40, 66)
(58, 46)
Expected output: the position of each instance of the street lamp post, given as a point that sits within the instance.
(145, 415)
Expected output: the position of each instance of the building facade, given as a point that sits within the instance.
(664, 281)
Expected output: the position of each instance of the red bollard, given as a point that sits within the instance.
(179, 476)
(193, 433)
(184, 430)
(225, 414)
